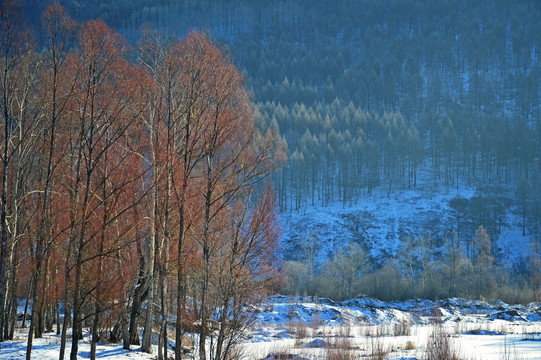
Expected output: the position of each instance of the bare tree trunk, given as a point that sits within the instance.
(163, 300)
(125, 330)
(146, 345)
(7, 316)
(95, 339)
(139, 296)
(180, 283)
(14, 302)
(13, 263)
(77, 291)
(206, 263)
(181, 298)
(99, 275)
(11, 315)
(165, 308)
(166, 239)
(3, 208)
(67, 308)
(57, 305)
(77, 324)
(27, 299)
(33, 320)
(42, 302)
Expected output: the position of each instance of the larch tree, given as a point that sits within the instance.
(20, 181)
(56, 92)
(175, 125)
(245, 265)
(484, 262)
(18, 121)
(236, 155)
(189, 150)
(162, 61)
(105, 107)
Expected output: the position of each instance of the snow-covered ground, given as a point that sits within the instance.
(319, 328)
(48, 347)
(312, 328)
(377, 222)
(323, 342)
(380, 221)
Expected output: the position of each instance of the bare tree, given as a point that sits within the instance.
(343, 269)
(246, 265)
(454, 262)
(103, 112)
(60, 30)
(237, 155)
(19, 115)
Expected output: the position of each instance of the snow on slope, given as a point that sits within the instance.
(291, 309)
(377, 222)
(380, 221)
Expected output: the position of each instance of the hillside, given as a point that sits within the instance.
(402, 119)
(368, 94)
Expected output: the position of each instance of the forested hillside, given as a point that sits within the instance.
(382, 95)
(368, 92)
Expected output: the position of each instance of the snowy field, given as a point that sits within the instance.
(366, 343)
(367, 328)
(310, 328)
(47, 348)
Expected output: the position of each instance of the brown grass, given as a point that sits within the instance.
(341, 346)
(377, 347)
(439, 346)
(410, 345)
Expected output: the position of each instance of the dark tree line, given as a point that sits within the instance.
(408, 56)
